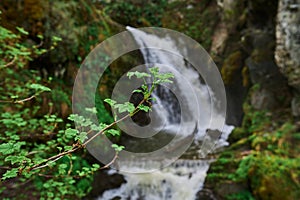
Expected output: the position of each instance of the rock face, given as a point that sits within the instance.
(249, 54)
(287, 54)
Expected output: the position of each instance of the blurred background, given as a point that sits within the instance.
(254, 43)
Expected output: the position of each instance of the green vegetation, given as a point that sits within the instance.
(267, 161)
(38, 146)
(42, 45)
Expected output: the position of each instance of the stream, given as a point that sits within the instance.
(184, 178)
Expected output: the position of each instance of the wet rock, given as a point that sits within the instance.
(296, 105)
(205, 194)
(103, 181)
(264, 72)
(287, 54)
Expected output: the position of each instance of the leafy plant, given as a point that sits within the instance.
(45, 154)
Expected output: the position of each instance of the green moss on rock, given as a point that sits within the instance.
(232, 66)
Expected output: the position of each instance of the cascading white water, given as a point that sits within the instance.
(184, 178)
(180, 181)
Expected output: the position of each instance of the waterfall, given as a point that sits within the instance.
(185, 177)
(180, 181)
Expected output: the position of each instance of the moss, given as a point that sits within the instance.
(259, 55)
(237, 134)
(264, 156)
(245, 76)
(193, 18)
(231, 66)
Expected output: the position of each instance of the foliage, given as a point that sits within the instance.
(134, 13)
(193, 18)
(38, 146)
(244, 195)
(267, 158)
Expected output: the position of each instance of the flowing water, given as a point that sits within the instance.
(185, 177)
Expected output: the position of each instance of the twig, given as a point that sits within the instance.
(111, 162)
(18, 101)
(23, 100)
(76, 176)
(10, 63)
(60, 155)
(47, 164)
(54, 158)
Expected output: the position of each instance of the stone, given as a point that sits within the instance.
(287, 53)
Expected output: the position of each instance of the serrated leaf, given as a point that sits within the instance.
(10, 173)
(110, 102)
(130, 74)
(138, 74)
(144, 108)
(113, 132)
(95, 127)
(7, 148)
(17, 159)
(117, 147)
(82, 137)
(70, 132)
(154, 70)
(72, 117)
(129, 107)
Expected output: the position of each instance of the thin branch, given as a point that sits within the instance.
(60, 155)
(10, 63)
(76, 176)
(5, 167)
(23, 100)
(18, 101)
(111, 162)
(78, 146)
(53, 158)
(103, 130)
(47, 164)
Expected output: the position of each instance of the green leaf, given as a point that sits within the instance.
(92, 110)
(10, 173)
(110, 102)
(21, 30)
(81, 137)
(86, 123)
(95, 166)
(165, 76)
(73, 117)
(95, 127)
(152, 98)
(68, 148)
(7, 148)
(56, 39)
(145, 87)
(40, 36)
(113, 132)
(117, 147)
(17, 159)
(70, 132)
(129, 107)
(137, 91)
(154, 70)
(138, 74)
(144, 108)
(39, 87)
